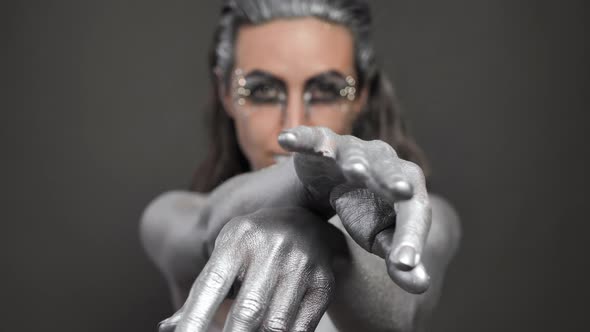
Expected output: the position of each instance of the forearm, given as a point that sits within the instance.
(178, 229)
(271, 187)
(366, 299)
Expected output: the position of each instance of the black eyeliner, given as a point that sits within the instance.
(257, 77)
(333, 77)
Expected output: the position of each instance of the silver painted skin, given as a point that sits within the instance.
(265, 228)
(289, 283)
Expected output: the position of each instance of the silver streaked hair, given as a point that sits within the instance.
(352, 14)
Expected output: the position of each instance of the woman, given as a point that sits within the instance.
(278, 65)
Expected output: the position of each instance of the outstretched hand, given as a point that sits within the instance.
(381, 199)
(281, 258)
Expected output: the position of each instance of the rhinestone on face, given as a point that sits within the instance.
(350, 80)
(243, 92)
(349, 91)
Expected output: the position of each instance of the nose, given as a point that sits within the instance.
(294, 113)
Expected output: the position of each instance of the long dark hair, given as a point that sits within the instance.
(380, 119)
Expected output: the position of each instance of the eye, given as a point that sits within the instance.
(266, 93)
(323, 93)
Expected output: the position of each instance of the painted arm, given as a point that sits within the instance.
(179, 228)
(384, 208)
(380, 198)
(372, 190)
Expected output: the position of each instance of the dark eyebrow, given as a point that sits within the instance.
(257, 75)
(330, 75)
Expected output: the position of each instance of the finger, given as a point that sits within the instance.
(413, 222)
(382, 244)
(389, 181)
(415, 281)
(285, 304)
(309, 140)
(315, 303)
(169, 324)
(363, 214)
(315, 158)
(352, 159)
(386, 173)
(250, 306)
(207, 293)
(374, 164)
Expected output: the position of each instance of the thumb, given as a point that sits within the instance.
(362, 213)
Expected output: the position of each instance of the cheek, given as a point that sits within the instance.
(257, 139)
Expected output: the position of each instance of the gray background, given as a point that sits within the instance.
(102, 111)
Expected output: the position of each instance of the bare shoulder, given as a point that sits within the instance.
(168, 214)
(445, 232)
(174, 204)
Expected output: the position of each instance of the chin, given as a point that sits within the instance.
(271, 159)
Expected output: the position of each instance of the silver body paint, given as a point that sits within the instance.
(382, 206)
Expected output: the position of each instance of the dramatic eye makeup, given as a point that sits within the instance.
(261, 87)
(264, 88)
(328, 87)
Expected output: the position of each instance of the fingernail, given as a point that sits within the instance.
(356, 169)
(359, 168)
(287, 138)
(403, 189)
(406, 258)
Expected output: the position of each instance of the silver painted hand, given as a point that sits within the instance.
(280, 259)
(380, 198)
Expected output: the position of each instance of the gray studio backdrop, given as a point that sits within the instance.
(104, 113)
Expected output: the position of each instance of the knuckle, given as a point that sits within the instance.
(300, 258)
(239, 227)
(413, 169)
(382, 147)
(304, 327)
(324, 280)
(353, 143)
(277, 323)
(216, 280)
(278, 240)
(241, 222)
(249, 309)
(196, 322)
(354, 155)
(297, 265)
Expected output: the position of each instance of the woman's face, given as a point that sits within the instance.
(291, 72)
